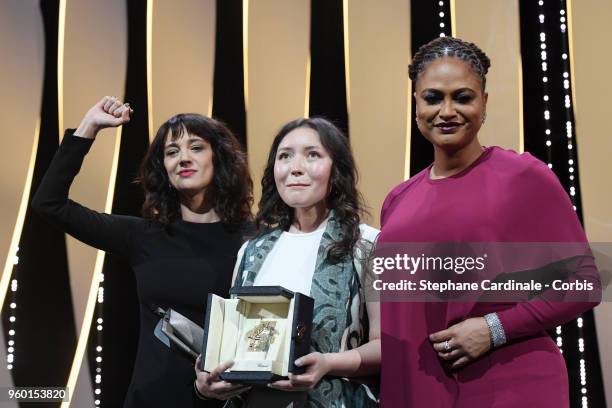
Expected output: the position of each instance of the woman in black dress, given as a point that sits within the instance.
(198, 196)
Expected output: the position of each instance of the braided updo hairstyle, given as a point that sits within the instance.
(450, 47)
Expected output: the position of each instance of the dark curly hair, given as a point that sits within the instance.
(232, 187)
(343, 198)
(450, 47)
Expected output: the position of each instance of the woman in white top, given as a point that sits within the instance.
(311, 241)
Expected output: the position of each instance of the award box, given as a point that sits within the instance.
(263, 329)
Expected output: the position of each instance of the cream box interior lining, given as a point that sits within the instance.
(231, 321)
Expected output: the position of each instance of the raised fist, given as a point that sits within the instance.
(108, 112)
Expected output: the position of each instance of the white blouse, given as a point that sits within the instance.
(292, 260)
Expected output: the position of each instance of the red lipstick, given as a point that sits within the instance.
(186, 173)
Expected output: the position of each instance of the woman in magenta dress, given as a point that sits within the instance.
(474, 354)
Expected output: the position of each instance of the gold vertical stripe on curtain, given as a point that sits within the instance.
(378, 53)
(589, 33)
(494, 26)
(277, 48)
(183, 59)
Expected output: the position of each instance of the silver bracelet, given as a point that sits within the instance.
(496, 330)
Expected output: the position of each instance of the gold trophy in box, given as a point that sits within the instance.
(261, 336)
(263, 329)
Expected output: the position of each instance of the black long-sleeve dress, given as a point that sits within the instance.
(174, 267)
